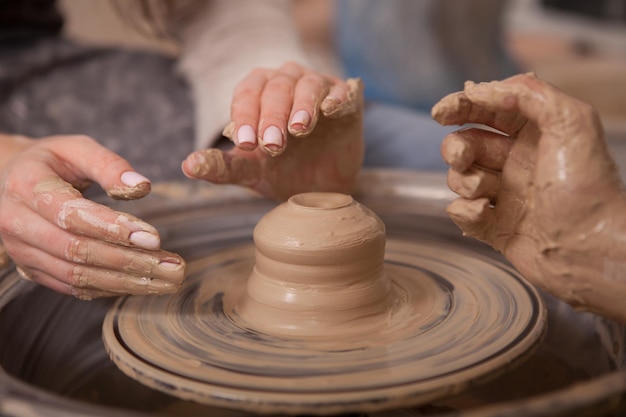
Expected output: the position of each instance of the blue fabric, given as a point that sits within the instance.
(391, 47)
(410, 54)
(132, 102)
(397, 137)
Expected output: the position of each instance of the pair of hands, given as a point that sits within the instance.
(295, 130)
(545, 191)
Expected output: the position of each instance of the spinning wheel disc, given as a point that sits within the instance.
(461, 318)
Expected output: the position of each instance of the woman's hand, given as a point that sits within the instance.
(294, 130)
(545, 192)
(61, 240)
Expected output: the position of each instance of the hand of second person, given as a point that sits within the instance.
(73, 245)
(545, 192)
(294, 130)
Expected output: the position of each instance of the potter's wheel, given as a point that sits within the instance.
(459, 319)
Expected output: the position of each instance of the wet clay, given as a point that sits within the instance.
(325, 316)
(549, 197)
(318, 270)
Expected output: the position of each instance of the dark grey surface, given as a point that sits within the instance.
(133, 102)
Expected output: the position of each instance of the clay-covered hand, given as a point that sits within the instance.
(545, 192)
(294, 130)
(68, 243)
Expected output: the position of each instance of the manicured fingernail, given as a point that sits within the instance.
(246, 135)
(145, 240)
(133, 179)
(273, 137)
(301, 119)
(170, 266)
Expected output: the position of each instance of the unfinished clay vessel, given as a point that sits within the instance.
(319, 269)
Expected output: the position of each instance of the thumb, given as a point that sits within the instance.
(90, 160)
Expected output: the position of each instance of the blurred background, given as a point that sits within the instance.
(578, 45)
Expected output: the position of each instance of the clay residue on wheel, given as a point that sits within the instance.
(328, 318)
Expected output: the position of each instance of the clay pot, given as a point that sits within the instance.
(318, 269)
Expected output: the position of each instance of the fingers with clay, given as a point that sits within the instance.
(270, 105)
(476, 156)
(294, 130)
(556, 208)
(74, 245)
(88, 268)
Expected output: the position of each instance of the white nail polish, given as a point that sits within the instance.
(301, 117)
(169, 266)
(273, 136)
(246, 135)
(145, 240)
(133, 179)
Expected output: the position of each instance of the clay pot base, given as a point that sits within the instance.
(459, 319)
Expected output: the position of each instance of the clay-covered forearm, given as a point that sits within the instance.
(222, 41)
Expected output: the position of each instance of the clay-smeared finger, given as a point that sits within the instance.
(119, 283)
(343, 98)
(570, 130)
(474, 183)
(474, 217)
(459, 109)
(89, 284)
(154, 264)
(309, 93)
(59, 203)
(33, 250)
(276, 103)
(220, 167)
(245, 110)
(44, 279)
(82, 160)
(68, 278)
(551, 109)
(523, 94)
(464, 148)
